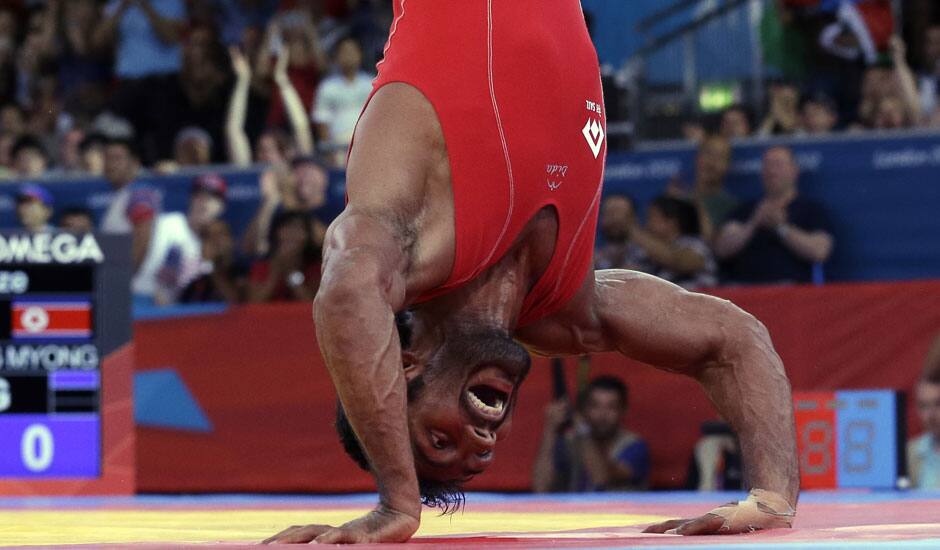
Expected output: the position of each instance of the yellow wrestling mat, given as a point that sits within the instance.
(71, 526)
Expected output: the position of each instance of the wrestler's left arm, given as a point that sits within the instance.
(725, 349)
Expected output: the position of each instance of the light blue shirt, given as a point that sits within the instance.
(140, 52)
(928, 458)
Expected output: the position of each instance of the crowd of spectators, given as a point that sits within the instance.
(839, 66)
(698, 236)
(122, 89)
(126, 90)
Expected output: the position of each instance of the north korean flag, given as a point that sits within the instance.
(51, 318)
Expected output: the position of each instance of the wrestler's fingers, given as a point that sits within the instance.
(340, 536)
(709, 524)
(298, 534)
(666, 525)
(274, 538)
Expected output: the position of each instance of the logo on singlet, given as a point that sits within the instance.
(593, 131)
(594, 134)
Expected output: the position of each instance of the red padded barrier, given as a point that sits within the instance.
(257, 373)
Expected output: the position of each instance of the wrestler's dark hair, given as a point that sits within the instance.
(609, 383)
(447, 496)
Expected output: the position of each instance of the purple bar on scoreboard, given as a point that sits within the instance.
(35, 446)
(75, 380)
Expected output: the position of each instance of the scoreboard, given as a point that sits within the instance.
(64, 305)
(850, 438)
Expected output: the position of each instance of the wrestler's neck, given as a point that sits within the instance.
(495, 297)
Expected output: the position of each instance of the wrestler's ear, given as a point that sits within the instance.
(411, 364)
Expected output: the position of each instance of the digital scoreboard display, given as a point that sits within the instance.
(850, 438)
(56, 292)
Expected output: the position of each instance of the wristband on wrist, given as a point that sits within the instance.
(760, 510)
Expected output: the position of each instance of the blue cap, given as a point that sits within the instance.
(31, 191)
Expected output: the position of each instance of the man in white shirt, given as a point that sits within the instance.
(340, 99)
(174, 248)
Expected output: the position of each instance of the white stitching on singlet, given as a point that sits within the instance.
(574, 240)
(392, 34)
(499, 124)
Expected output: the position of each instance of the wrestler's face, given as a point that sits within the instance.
(928, 407)
(461, 393)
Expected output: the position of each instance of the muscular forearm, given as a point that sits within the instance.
(750, 389)
(813, 247)
(354, 313)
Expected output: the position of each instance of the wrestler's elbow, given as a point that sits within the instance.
(746, 342)
(353, 279)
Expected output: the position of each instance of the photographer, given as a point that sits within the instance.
(589, 449)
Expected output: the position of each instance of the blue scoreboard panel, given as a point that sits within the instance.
(53, 334)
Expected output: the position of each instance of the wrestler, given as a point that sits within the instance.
(473, 187)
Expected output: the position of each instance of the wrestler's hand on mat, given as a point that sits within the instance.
(761, 510)
(379, 525)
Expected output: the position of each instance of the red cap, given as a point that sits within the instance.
(211, 183)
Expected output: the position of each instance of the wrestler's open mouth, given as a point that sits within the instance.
(488, 392)
(487, 399)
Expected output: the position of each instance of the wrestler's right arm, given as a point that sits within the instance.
(363, 284)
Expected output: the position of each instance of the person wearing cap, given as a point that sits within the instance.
(206, 200)
(34, 205)
(170, 241)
